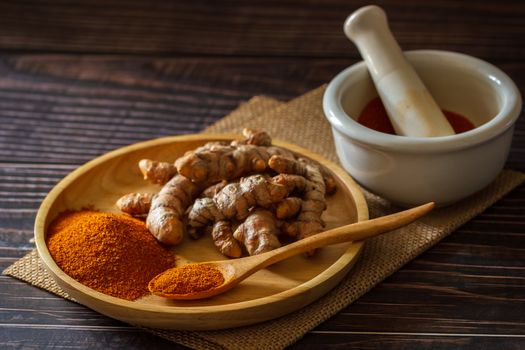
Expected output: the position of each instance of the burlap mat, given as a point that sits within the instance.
(301, 122)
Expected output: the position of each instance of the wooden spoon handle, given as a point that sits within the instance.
(352, 232)
(410, 106)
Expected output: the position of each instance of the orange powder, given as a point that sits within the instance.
(112, 253)
(187, 279)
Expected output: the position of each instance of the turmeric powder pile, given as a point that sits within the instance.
(245, 193)
(112, 253)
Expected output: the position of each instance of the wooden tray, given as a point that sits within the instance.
(273, 292)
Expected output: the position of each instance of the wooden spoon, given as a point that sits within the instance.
(410, 107)
(236, 270)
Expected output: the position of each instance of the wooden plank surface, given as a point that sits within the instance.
(277, 28)
(66, 97)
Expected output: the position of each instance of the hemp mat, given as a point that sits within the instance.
(301, 121)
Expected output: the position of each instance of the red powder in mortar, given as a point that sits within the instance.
(374, 116)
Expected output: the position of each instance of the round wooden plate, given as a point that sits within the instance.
(270, 293)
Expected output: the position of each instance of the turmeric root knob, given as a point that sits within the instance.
(215, 162)
(288, 208)
(284, 165)
(136, 204)
(223, 239)
(157, 172)
(211, 191)
(292, 182)
(258, 232)
(206, 163)
(203, 212)
(236, 199)
(165, 216)
(309, 221)
(299, 166)
(256, 137)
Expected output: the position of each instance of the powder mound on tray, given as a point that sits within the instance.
(112, 253)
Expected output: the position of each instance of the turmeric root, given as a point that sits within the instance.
(136, 204)
(165, 216)
(236, 199)
(215, 162)
(157, 172)
(211, 191)
(288, 208)
(223, 239)
(292, 182)
(256, 137)
(284, 165)
(212, 164)
(258, 232)
(314, 203)
(299, 166)
(203, 212)
(329, 181)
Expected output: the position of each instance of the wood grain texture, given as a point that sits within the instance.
(70, 109)
(269, 28)
(60, 107)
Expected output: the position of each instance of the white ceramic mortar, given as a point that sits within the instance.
(415, 170)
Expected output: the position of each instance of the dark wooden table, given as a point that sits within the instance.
(78, 80)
